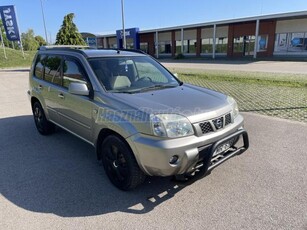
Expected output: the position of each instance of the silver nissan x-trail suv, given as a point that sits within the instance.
(141, 119)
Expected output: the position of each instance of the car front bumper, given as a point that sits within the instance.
(154, 155)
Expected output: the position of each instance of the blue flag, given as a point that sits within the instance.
(9, 21)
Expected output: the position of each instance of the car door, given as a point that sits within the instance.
(75, 111)
(51, 84)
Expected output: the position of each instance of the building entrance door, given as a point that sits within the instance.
(244, 45)
(249, 45)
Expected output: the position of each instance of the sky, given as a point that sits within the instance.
(104, 16)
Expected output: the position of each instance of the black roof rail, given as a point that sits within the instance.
(63, 47)
(127, 50)
(82, 49)
(133, 50)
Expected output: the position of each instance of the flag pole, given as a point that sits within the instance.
(21, 46)
(123, 23)
(44, 22)
(2, 43)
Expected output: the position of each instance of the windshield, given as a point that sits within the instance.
(131, 74)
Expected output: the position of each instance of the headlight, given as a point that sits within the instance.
(171, 125)
(235, 108)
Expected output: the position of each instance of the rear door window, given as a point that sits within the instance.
(39, 67)
(53, 69)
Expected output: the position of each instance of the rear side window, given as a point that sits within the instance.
(60, 70)
(39, 67)
(53, 69)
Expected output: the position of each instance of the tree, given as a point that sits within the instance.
(41, 41)
(28, 40)
(69, 34)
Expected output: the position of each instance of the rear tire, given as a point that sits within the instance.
(43, 126)
(120, 164)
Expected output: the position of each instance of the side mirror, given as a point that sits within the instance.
(78, 89)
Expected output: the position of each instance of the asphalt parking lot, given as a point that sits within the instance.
(55, 182)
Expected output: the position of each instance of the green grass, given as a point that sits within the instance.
(15, 58)
(267, 94)
(269, 79)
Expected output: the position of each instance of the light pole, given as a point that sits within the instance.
(44, 22)
(2, 43)
(123, 22)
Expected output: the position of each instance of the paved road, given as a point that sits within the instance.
(257, 66)
(55, 182)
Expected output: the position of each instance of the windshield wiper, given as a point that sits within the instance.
(158, 86)
(152, 87)
(128, 92)
(124, 91)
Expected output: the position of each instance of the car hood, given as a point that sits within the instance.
(187, 100)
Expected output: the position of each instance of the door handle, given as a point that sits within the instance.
(39, 86)
(61, 95)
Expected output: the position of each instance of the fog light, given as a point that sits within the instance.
(173, 160)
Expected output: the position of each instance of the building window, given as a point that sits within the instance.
(185, 46)
(178, 47)
(144, 47)
(291, 43)
(100, 43)
(113, 46)
(189, 46)
(238, 44)
(298, 40)
(244, 45)
(262, 42)
(221, 45)
(165, 47)
(206, 45)
(129, 43)
(112, 43)
(281, 41)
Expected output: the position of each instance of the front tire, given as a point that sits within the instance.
(120, 164)
(43, 126)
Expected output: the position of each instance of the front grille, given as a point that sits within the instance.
(227, 119)
(206, 127)
(215, 124)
